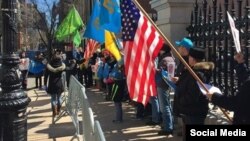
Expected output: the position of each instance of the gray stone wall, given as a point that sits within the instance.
(173, 17)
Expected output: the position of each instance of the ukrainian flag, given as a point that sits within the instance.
(111, 45)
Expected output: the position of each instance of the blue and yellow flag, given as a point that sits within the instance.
(110, 15)
(111, 45)
(93, 29)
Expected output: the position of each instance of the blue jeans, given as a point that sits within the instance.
(155, 109)
(165, 108)
(56, 100)
(118, 110)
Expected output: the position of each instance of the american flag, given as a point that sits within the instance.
(142, 44)
(91, 47)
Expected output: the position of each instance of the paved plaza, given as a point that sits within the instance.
(42, 128)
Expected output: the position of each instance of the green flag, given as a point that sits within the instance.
(77, 38)
(69, 25)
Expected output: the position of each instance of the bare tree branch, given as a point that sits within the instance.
(46, 23)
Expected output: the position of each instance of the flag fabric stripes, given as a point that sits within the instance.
(91, 47)
(142, 44)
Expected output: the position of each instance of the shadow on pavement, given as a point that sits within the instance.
(130, 129)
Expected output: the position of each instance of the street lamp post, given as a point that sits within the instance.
(13, 100)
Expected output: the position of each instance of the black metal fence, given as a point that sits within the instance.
(210, 29)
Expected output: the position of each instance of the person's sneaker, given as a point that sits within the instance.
(170, 136)
(152, 123)
(163, 132)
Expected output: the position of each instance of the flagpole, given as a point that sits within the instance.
(177, 53)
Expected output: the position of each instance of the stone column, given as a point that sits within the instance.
(173, 17)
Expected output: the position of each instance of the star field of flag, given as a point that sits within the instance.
(130, 18)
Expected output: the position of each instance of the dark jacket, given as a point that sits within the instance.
(241, 101)
(53, 73)
(118, 86)
(188, 99)
(180, 68)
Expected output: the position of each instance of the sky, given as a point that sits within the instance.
(41, 3)
(43, 7)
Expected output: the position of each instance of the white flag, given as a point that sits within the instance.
(235, 33)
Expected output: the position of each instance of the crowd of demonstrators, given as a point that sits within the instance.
(54, 69)
(189, 103)
(24, 68)
(240, 101)
(110, 78)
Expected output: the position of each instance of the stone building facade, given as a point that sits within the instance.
(173, 17)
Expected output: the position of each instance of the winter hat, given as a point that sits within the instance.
(165, 48)
(197, 53)
(185, 42)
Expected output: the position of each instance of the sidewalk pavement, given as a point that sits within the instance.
(41, 128)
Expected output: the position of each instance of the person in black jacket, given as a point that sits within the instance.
(189, 101)
(53, 73)
(239, 102)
